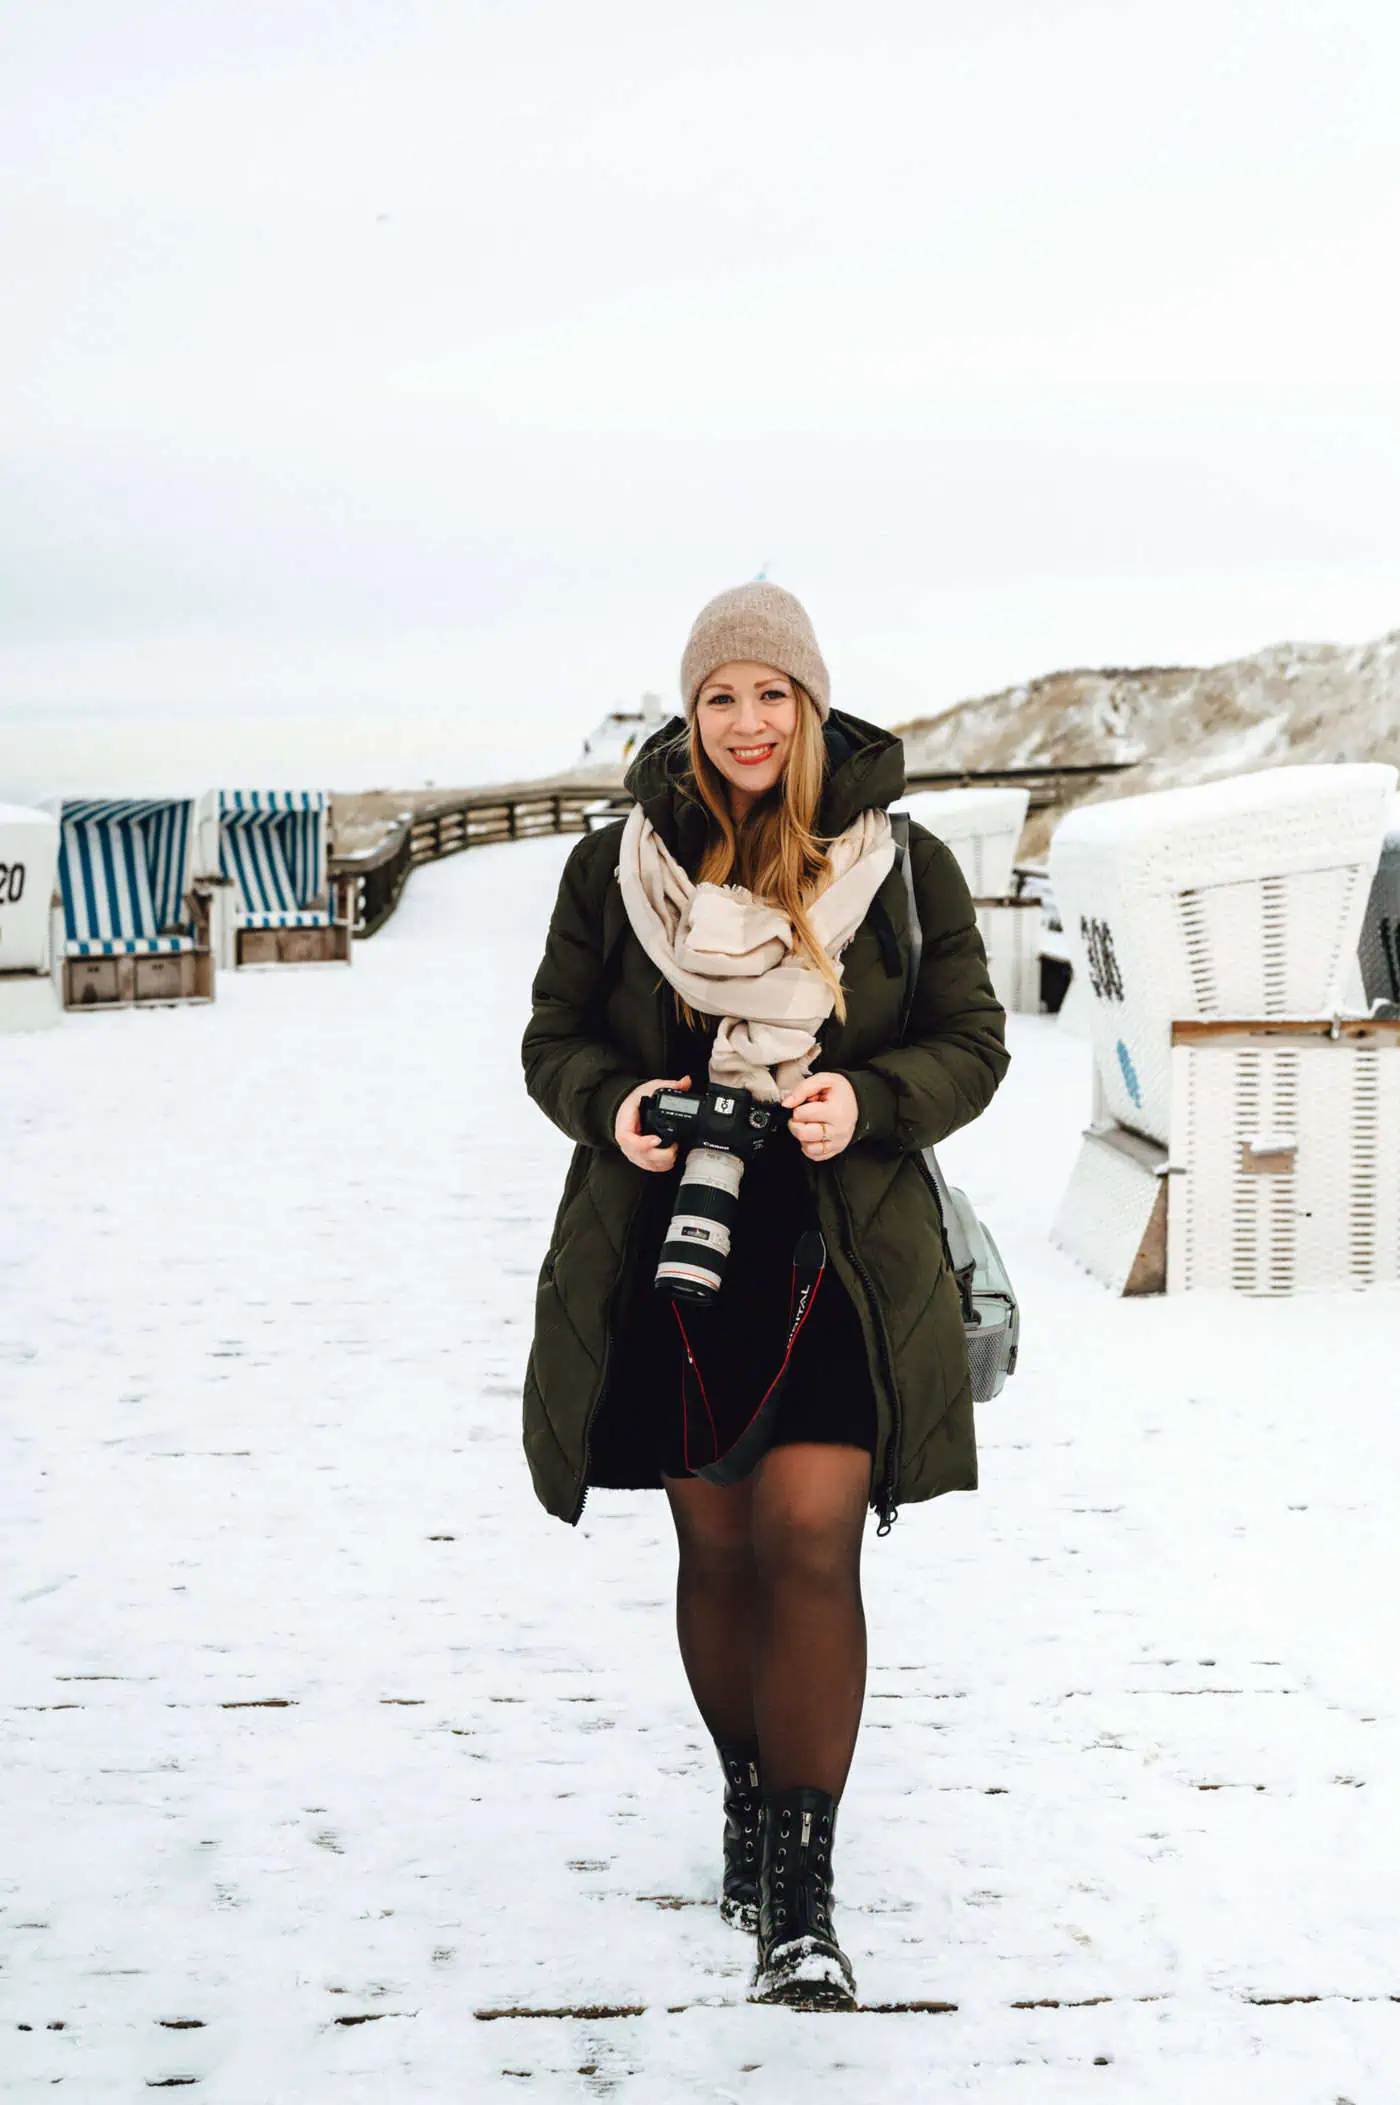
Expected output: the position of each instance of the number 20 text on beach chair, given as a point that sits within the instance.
(29, 998)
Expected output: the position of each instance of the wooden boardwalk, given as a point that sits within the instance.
(388, 834)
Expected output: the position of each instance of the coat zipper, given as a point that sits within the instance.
(885, 1501)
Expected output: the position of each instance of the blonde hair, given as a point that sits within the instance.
(775, 850)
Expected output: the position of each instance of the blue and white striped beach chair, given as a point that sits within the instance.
(124, 871)
(273, 847)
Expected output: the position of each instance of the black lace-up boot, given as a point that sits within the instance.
(742, 1804)
(799, 1960)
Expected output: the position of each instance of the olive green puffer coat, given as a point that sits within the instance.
(602, 1021)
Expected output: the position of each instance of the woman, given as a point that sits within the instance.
(659, 965)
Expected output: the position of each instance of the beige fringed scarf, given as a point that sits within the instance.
(728, 955)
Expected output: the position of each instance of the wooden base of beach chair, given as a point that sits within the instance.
(121, 982)
(1113, 1216)
(294, 946)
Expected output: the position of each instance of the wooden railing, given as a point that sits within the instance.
(473, 819)
(1044, 783)
(381, 872)
(482, 818)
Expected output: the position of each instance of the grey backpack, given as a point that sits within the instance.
(991, 1313)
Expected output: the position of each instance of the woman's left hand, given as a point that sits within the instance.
(824, 1116)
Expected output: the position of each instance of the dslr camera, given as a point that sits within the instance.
(720, 1130)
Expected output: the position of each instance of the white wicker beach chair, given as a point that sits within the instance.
(983, 828)
(29, 998)
(1241, 898)
(1237, 906)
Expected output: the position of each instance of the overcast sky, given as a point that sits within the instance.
(447, 355)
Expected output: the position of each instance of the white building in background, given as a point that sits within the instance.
(621, 735)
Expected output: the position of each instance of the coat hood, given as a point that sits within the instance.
(865, 771)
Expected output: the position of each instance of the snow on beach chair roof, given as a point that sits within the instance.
(981, 825)
(1241, 898)
(272, 843)
(1380, 933)
(124, 866)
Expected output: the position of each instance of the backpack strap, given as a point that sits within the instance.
(891, 955)
(914, 941)
(615, 927)
(962, 1260)
(960, 1255)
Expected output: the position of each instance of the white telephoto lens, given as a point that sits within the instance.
(698, 1238)
(714, 1169)
(709, 1236)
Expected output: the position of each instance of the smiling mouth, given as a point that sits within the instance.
(752, 756)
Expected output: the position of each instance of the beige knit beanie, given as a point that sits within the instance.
(763, 624)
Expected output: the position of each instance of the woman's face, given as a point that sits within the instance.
(746, 715)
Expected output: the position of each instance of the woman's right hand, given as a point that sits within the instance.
(646, 1150)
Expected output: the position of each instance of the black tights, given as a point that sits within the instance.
(769, 1613)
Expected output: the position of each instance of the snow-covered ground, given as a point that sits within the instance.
(323, 1743)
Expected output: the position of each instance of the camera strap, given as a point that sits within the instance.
(736, 1462)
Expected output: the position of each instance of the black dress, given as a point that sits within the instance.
(663, 1404)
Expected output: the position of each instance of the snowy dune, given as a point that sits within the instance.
(1291, 704)
(321, 1737)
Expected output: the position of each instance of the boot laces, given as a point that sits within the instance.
(807, 1899)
